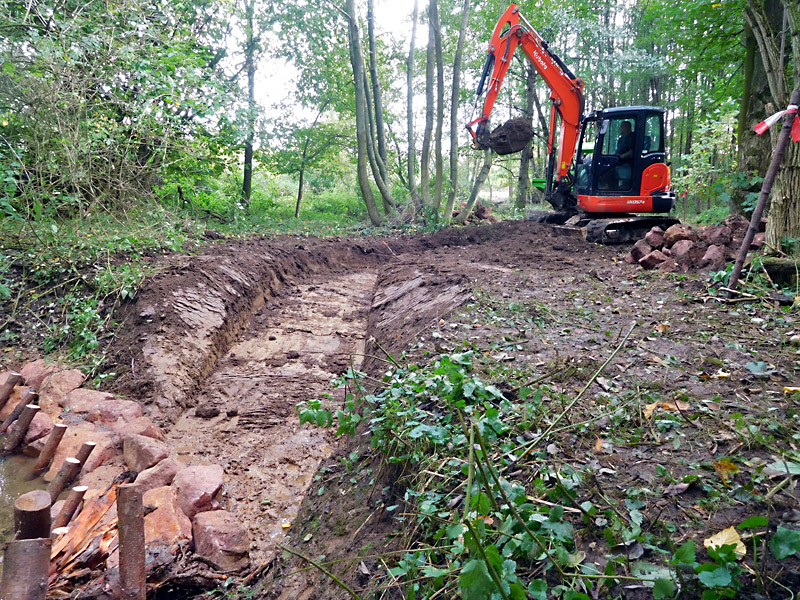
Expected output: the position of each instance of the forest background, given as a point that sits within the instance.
(135, 126)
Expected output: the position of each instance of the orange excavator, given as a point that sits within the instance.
(606, 165)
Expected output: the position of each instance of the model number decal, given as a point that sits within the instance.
(635, 202)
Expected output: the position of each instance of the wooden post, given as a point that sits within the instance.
(32, 516)
(26, 567)
(49, 450)
(85, 451)
(132, 574)
(69, 470)
(28, 396)
(70, 506)
(766, 188)
(17, 434)
(8, 387)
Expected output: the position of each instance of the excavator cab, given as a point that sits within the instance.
(620, 165)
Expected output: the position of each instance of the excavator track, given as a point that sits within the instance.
(621, 229)
(625, 229)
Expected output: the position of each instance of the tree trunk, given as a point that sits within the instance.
(425, 168)
(250, 65)
(476, 187)
(357, 64)
(523, 180)
(300, 183)
(376, 90)
(412, 151)
(439, 161)
(454, 102)
(377, 165)
(765, 20)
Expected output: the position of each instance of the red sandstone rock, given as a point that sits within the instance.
(718, 235)
(714, 257)
(640, 249)
(73, 439)
(56, 386)
(681, 249)
(112, 411)
(668, 266)
(40, 427)
(84, 402)
(159, 475)
(166, 524)
(678, 232)
(651, 260)
(655, 237)
(37, 371)
(141, 452)
(736, 223)
(629, 259)
(221, 540)
(197, 487)
(139, 426)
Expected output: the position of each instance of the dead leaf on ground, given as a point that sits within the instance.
(725, 468)
(661, 328)
(676, 488)
(672, 406)
(727, 537)
(598, 445)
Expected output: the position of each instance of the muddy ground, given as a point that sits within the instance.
(221, 348)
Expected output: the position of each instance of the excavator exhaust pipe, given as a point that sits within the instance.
(510, 137)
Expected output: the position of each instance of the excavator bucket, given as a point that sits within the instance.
(510, 137)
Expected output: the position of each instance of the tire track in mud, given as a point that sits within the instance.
(289, 353)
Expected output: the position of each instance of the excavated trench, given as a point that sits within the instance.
(222, 347)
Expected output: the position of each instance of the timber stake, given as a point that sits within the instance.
(49, 450)
(69, 470)
(8, 387)
(28, 396)
(766, 188)
(17, 434)
(32, 516)
(26, 566)
(70, 506)
(132, 573)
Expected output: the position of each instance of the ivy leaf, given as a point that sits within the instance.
(475, 581)
(785, 542)
(760, 368)
(537, 588)
(663, 588)
(719, 577)
(753, 523)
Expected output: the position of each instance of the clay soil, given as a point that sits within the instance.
(221, 347)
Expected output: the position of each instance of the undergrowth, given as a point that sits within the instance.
(493, 508)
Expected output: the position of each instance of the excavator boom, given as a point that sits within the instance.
(566, 91)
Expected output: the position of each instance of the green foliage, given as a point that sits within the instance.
(785, 543)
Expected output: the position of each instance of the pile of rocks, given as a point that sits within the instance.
(182, 502)
(685, 248)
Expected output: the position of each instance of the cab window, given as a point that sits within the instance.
(619, 136)
(652, 141)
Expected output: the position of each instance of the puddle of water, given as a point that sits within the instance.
(14, 481)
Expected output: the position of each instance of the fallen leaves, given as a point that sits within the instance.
(727, 537)
(725, 468)
(672, 406)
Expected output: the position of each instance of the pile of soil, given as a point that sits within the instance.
(512, 136)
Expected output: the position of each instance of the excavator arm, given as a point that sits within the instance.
(566, 92)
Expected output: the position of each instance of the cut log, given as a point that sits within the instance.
(26, 568)
(28, 396)
(70, 506)
(85, 451)
(17, 433)
(132, 571)
(32, 516)
(50, 447)
(68, 471)
(5, 390)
